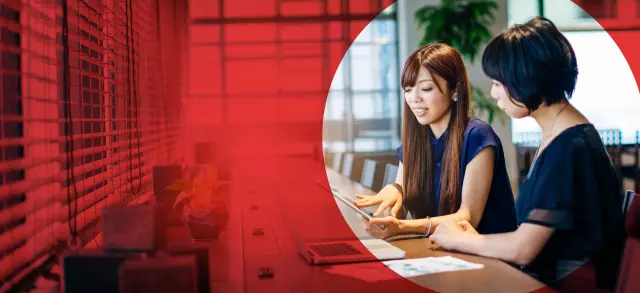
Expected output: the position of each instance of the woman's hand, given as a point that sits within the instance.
(388, 197)
(467, 227)
(450, 235)
(390, 224)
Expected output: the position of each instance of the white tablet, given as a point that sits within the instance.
(366, 214)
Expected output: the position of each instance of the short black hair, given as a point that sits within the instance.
(534, 61)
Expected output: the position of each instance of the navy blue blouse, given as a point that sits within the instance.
(499, 213)
(572, 187)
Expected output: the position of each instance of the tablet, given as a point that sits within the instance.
(366, 214)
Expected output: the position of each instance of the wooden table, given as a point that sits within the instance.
(496, 276)
(265, 215)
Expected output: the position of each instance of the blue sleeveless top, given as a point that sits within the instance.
(499, 214)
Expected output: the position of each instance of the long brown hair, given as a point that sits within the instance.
(418, 158)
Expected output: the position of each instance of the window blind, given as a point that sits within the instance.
(83, 118)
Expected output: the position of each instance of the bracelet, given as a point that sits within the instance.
(397, 186)
(428, 229)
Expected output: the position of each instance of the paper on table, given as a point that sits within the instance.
(377, 271)
(429, 265)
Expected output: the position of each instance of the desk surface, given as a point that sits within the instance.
(261, 204)
(496, 276)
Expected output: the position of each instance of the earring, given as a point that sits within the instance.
(455, 97)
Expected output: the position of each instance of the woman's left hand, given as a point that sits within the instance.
(467, 227)
(391, 225)
(449, 235)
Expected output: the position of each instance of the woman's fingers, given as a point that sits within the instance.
(373, 230)
(382, 221)
(396, 208)
(363, 200)
(380, 209)
(365, 203)
(383, 207)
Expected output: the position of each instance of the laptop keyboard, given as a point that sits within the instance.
(334, 249)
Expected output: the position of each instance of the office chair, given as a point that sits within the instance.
(337, 160)
(368, 173)
(347, 164)
(627, 200)
(390, 173)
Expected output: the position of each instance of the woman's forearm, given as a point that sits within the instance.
(498, 246)
(510, 247)
(420, 226)
(461, 215)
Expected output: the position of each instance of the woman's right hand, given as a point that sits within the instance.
(388, 197)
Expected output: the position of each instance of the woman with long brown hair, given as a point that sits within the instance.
(451, 166)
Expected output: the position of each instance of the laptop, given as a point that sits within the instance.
(323, 246)
(349, 251)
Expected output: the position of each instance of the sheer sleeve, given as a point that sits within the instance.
(553, 192)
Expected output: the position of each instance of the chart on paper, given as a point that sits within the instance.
(407, 268)
(429, 265)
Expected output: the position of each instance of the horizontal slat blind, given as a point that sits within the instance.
(122, 103)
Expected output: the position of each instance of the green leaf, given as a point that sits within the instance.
(461, 24)
(484, 104)
(182, 196)
(449, 3)
(464, 25)
(182, 184)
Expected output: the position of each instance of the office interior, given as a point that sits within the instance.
(145, 92)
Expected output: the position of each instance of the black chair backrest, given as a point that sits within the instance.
(627, 199)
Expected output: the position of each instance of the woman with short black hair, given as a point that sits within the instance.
(569, 205)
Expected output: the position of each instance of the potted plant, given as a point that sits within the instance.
(462, 24)
(204, 210)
